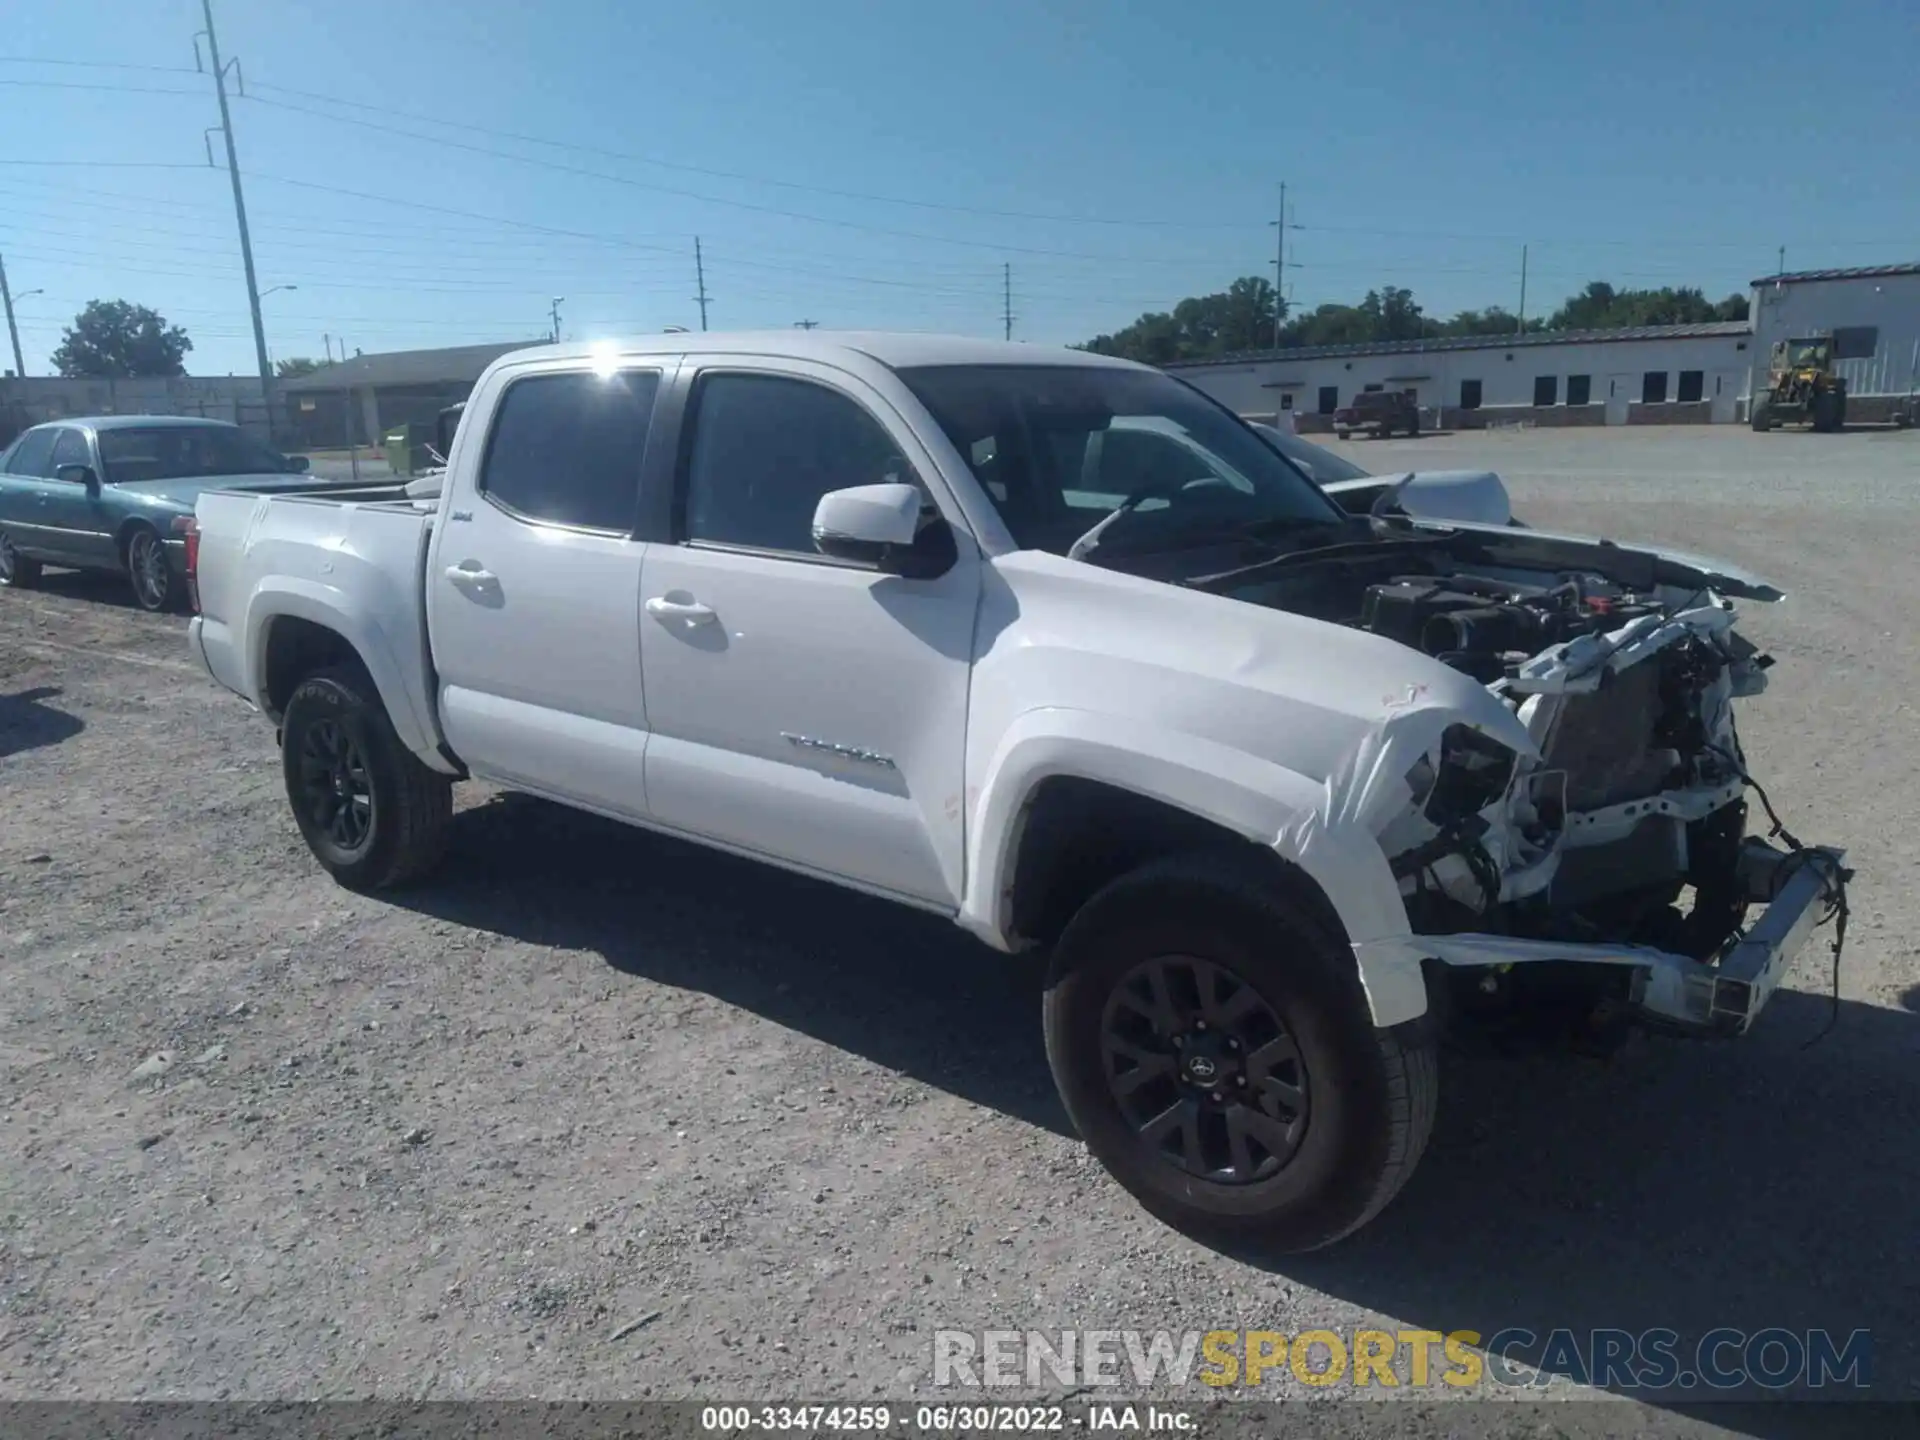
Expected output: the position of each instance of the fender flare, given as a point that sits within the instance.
(291, 597)
(1254, 798)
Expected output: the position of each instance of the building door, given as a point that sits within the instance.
(1724, 388)
(1621, 388)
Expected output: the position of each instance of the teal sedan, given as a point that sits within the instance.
(116, 492)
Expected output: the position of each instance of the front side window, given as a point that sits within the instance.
(69, 449)
(1072, 444)
(182, 452)
(765, 448)
(33, 453)
(566, 449)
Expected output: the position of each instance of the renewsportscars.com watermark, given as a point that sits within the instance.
(1725, 1359)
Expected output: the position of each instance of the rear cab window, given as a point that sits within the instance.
(31, 453)
(566, 448)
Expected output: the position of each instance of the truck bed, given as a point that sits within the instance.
(352, 557)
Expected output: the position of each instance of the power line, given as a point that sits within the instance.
(95, 64)
(718, 174)
(704, 198)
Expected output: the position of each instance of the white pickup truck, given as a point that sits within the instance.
(1055, 646)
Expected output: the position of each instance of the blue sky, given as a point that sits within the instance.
(868, 164)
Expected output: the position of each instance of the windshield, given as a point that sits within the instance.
(183, 452)
(1323, 467)
(1058, 447)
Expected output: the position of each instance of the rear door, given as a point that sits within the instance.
(21, 484)
(533, 584)
(803, 708)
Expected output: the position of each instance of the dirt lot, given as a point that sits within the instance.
(601, 1115)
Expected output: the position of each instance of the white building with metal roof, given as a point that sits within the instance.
(1639, 375)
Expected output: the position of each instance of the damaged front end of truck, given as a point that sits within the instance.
(1581, 844)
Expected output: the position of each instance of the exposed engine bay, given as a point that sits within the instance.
(1629, 827)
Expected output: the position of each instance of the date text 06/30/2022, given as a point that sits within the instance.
(943, 1419)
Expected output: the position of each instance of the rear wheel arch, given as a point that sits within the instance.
(293, 648)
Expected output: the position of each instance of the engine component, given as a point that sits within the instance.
(1476, 624)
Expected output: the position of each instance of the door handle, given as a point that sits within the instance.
(691, 611)
(469, 572)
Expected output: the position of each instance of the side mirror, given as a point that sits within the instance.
(79, 475)
(444, 425)
(1475, 496)
(298, 464)
(879, 525)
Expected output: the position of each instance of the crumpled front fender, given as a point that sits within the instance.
(1323, 827)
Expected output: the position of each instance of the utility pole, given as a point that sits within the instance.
(700, 274)
(1006, 300)
(19, 365)
(553, 319)
(1520, 328)
(239, 206)
(1279, 263)
(1782, 267)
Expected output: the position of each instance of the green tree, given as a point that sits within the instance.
(298, 365)
(112, 339)
(1601, 307)
(1237, 318)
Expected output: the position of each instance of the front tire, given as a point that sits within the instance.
(1212, 1044)
(17, 571)
(371, 813)
(155, 587)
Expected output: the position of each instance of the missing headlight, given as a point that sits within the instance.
(1474, 771)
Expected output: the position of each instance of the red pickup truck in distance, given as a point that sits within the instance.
(1378, 413)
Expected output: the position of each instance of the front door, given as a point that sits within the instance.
(1621, 391)
(73, 516)
(802, 708)
(533, 588)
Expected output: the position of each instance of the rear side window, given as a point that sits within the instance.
(765, 449)
(566, 449)
(31, 454)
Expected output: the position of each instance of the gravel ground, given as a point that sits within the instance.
(601, 1115)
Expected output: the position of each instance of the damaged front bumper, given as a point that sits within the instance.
(1721, 995)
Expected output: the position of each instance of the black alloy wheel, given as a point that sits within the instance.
(336, 786)
(1205, 1070)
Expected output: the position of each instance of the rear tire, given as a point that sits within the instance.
(1332, 1113)
(371, 813)
(156, 589)
(17, 571)
(1762, 417)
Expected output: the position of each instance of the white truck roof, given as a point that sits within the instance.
(890, 348)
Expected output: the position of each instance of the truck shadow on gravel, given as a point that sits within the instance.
(1683, 1185)
(28, 724)
(1687, 1186)
(904, 989)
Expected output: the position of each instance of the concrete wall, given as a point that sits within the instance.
(1889, 302)
(39, 398)
(1615, 371)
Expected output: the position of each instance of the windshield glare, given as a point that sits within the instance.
(1058, 447)
(183, 452)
